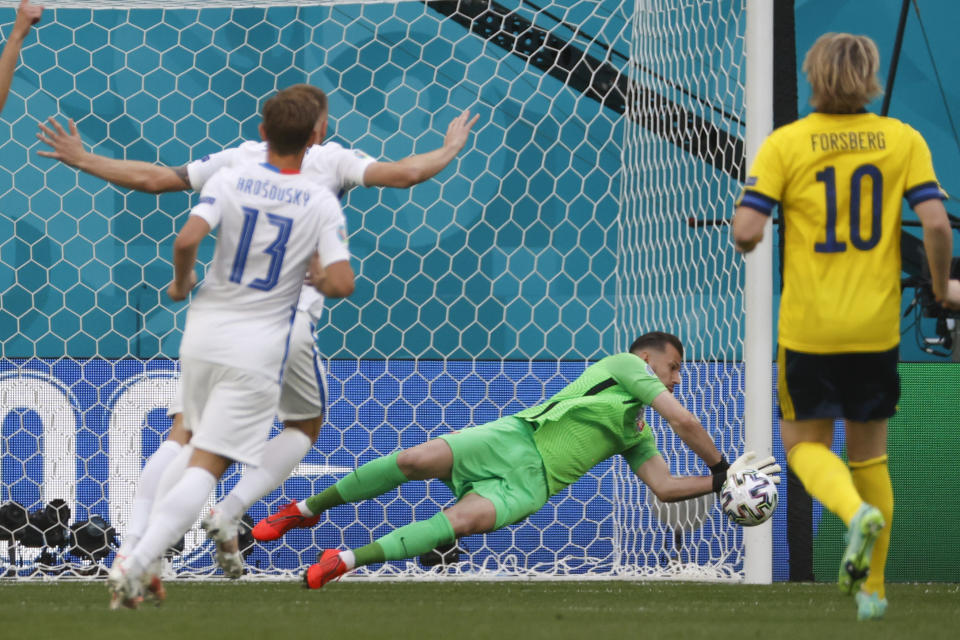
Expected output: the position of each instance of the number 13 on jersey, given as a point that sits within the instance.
(275, 250)
(828, 176)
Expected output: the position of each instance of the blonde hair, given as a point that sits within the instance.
(842, 71)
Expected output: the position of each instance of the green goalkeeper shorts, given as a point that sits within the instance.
(500, 462)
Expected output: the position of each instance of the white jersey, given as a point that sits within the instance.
(329, 165)
(269, 224)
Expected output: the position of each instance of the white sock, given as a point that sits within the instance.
(304, 509)
(147, 492)
(173, 473)
(173, 514)
(280, 457)
(348, 559)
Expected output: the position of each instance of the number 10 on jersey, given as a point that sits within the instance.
(829, 178)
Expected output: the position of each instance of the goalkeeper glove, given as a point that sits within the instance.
(748, 460)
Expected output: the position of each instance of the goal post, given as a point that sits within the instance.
(588, 207)
(758, 285)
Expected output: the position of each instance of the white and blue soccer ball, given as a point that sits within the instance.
(749, 497)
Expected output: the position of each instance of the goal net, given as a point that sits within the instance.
(582, 212)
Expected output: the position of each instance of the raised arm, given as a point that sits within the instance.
(418, 168)
(27, 16)
(131, 174)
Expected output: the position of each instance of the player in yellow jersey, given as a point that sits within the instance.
(839, 176)
(27, 16)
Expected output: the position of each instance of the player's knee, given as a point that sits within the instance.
(468, 524)
(178, 432)
(310, 428)
(412, 462)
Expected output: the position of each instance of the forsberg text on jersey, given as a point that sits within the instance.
(848, 141)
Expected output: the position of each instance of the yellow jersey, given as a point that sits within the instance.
(840, 180)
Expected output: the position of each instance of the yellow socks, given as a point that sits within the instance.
(872, 480)
(826, 478)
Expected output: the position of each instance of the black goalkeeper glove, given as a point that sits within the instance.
(719, 471)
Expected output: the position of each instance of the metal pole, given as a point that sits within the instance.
(758, 285)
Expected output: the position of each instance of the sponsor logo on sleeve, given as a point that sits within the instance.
(751, 181)
(205, 158)
(342, 232)
(361, 154)
(207, 200)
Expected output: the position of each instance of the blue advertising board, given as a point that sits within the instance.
(107, 416)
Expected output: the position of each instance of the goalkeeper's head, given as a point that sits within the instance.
(842, 71)
(289, 122)
(663, 353)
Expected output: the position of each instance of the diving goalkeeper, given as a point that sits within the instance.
(505, 470)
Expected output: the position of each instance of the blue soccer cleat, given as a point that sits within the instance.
(863, 532)
(870, 606)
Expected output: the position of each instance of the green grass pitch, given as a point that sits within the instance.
(590, 610)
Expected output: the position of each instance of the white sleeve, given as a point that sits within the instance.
(199, 171)
(211, 202)
(349, 166)
(332, 245)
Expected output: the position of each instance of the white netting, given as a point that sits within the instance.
(559, 233)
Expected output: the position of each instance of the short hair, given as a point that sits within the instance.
(657, 340)
(315, 92)
(289, 118)
(842, 71)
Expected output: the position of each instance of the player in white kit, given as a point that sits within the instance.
(274, 226)
(303, 394)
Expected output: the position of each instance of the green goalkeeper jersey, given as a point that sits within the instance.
(595, 417)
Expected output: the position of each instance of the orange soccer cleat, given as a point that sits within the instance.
(329, 567)
(154, 591)
(273, 527)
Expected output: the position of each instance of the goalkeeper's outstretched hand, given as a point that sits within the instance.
(749, 460)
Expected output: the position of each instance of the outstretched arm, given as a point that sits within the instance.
(686, 425)
(670, 488)
(27, 16)
(418, 168)
(131, 174)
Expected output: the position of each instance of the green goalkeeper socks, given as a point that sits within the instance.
(368, 481)
(408, 541)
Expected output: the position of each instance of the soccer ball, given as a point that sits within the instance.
(748, 497)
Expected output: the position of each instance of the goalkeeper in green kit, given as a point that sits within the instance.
(505, 470)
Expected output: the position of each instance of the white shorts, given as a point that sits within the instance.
(229, 410)
(303, 393)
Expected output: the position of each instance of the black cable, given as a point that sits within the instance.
(936, 73)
